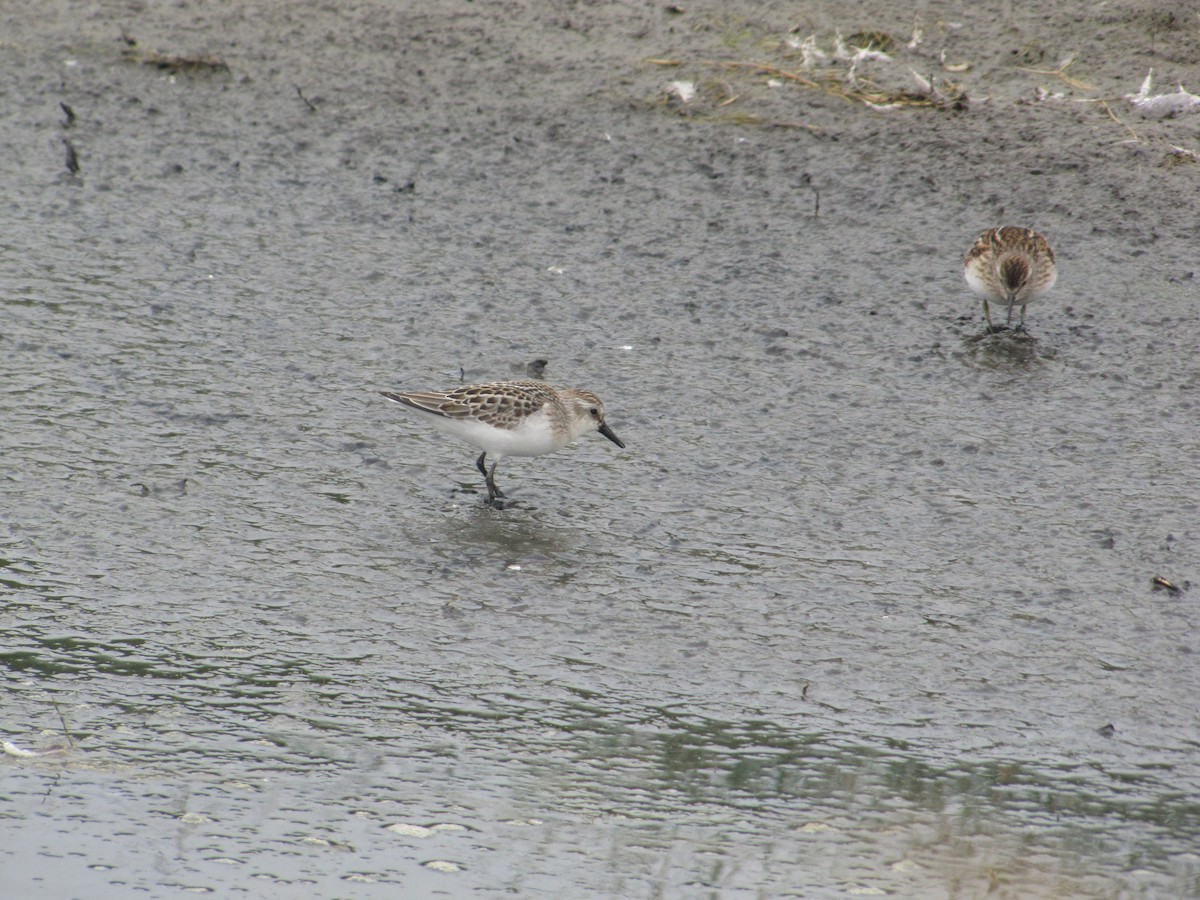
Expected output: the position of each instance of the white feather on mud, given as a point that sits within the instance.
(1161, 106)
(684, 90)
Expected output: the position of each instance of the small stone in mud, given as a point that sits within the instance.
(72, 157)
(1158, 583)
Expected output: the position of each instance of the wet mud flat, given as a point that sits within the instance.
(872, 601)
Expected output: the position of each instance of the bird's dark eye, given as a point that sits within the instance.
(595, 413)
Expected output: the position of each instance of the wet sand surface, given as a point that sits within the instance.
(865, 607)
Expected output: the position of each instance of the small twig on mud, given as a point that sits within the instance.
(665, 62)
(63, 720)
(730, 96)
(72, 157)
(307, 103)
(174, 64)
(1112, 115)
(761, 67)
(807, 179)
(1061, 72)
(751, 119)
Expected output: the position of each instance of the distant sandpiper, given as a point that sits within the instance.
(1011, 265)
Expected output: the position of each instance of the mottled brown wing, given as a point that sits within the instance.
(501, 404)
(985, 244)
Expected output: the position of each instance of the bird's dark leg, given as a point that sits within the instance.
(987, 314)
(489, 477)
(1021, 324)
(493, 491)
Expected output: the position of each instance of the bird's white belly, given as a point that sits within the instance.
(977, 283)
(534, 438)
(993, 290)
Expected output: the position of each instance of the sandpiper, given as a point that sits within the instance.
(510, 418)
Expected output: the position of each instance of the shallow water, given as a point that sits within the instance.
(865, 606)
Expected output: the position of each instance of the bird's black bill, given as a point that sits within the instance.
(608, 433)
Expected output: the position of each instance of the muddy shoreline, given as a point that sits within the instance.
(867, 603)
